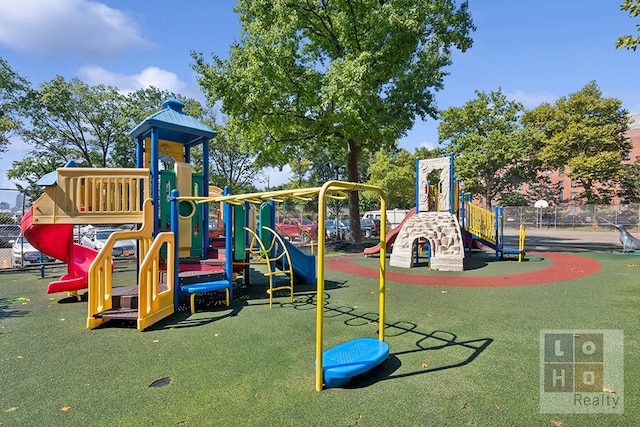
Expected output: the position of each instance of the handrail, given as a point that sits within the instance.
(100, 277)
(154, 302)
(480, 222)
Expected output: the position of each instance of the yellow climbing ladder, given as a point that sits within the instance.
(278, 248)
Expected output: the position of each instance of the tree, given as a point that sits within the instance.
(396, 174)
(30, 170)
(542, 188)
(582, 136)
(75, 121)
(489, 144)
(230, 164)
(629, 41)
(334, 74)
(513, 199)
(630, 183)
(70, 120)
(13, 88)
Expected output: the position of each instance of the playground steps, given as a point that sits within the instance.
(124, 303)
(203, 261)
(195, 282)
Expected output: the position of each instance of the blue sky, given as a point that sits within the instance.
(536, 51)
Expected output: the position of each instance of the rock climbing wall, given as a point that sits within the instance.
(425, 167)
(442, 230)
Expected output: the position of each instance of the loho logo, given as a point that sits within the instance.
(581, 371)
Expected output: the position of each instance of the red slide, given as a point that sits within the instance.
(391, 235)
(56, 240)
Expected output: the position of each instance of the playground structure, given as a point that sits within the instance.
(170, 210)
(446, 219)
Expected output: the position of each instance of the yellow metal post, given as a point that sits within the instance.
(345, 186)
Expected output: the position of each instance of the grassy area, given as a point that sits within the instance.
(459, 356)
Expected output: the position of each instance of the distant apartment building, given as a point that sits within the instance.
(569, 190)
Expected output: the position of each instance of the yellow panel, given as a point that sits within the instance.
(94, 196)
(183, 185)
(215, 191)
(174, 150)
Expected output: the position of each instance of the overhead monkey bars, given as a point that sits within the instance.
(330, 190)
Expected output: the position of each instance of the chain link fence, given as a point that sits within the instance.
(12, 207)
(573, 216)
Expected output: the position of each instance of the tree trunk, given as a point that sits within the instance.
(354, 207)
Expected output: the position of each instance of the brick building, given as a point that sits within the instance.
(570, 190)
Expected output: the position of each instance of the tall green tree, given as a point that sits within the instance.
(13, 89)
(489, 144)
(582, 136)
(629, 41)
(334, 73)
(395, 172)
(70, 120)
(230, 164)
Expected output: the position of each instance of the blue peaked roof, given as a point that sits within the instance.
(174, 125)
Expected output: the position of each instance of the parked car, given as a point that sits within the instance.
(8, 234)
(368, 227)
(96, 238)
(378, 228)
(22, 252)
(302, 229)
(335, 230)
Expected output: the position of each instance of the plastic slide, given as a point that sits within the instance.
(56, 240)
(304, 265)
(391, 235)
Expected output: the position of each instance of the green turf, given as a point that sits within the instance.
(459, 356)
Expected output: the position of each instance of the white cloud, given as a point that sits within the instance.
(275, 177)
(429, 145)
(532, 100)
(150, 76)
(81, 28)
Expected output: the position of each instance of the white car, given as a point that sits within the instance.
(23, 253)
(95, 238)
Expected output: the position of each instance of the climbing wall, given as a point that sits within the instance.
(425, 167)
(442, 230)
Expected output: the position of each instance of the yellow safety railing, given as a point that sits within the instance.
(153, 302)
(94, 196)
(480, 222)
(155, 297)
